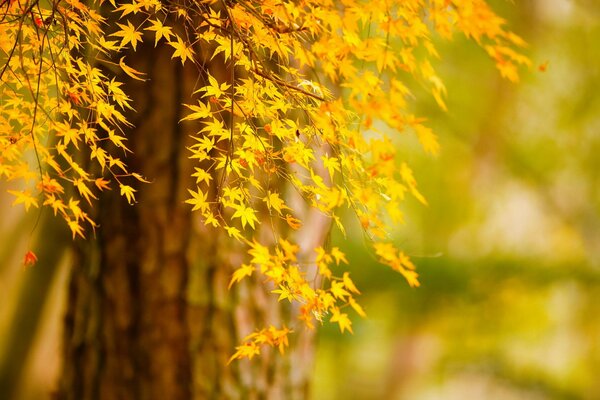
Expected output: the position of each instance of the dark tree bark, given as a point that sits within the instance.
(150, 315)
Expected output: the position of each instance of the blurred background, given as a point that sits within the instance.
(508, 249)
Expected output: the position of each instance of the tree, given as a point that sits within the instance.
(257, 125)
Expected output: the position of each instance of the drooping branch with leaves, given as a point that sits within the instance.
(304, 108)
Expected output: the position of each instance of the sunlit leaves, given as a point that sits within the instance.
(132, 73)
(182, 51)
(275, 202)
(243, 271)
(160, 31)
(342, 320)
(246, 214)
(198, 200)
(62, 109)
(271, 336)
(24, 197)
(295, 111)
(200, 111)
(128, 192)
(397, 260)
(128, 34)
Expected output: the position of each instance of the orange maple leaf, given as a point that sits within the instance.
(30, 259)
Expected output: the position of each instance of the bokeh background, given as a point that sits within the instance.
(508, 249)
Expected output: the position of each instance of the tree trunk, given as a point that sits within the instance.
(150, 315)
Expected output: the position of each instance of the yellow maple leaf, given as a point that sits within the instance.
(284, 293)
(240, 273)
(246, 214)
(128, 192)
(201, 175)
(428, 139)
(76, 228)
(332, 164)
(234, 232)
(200, 111)
(349, 284)
(84, 190)
(132, 73)
(359, 310)
(338, 291)
(182, 50)
(160, 31)
(25, 198)
(247, 350)
(338, 255)
(198, 200)
(342, 320)
(275, 202)
(128, 34)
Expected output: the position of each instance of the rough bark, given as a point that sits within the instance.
(150, 315)
(126, 330)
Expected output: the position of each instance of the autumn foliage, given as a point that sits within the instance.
(312, 95)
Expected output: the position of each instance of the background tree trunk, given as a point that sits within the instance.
(150, 315)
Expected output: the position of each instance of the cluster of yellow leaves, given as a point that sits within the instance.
(307, 94)
(61, 117)
(270, 336)
(321, 297)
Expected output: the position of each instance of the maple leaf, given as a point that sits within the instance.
(84, 190)
(200, 111)
(182, 50)
(139, 177)
(30, 259)
(25, 198)
(102, 184)
(214, 88)
(209, 219)
(198, 200)
(240, 273)
(129, 8)
(411, 277)
(338, 255)
(160, 31)
(128, 34)
(118, 140)
(260, 254)
(428, 139)
(201, 175)
(331, 164)
(76, 228)
(284, 293)
(359, 310)
(349, 284)
(128, 192)
(275, 202)
(69, 134)
(130, 71)
(107, 46)
(247, 350)
(342, 320)
(234, 232)
(338, 291)
(246, 214)
(56, 204)
(293, 223)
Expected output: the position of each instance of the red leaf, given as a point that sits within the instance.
(30, 259)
